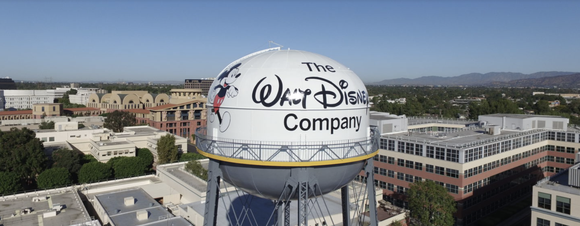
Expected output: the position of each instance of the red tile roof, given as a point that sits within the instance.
(81, 109)
(141, 111)
(161, 107)
(23, 112)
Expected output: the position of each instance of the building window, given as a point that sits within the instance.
(382, 158)
(401, 176)
(51, 139)
(383, 171)
(542, 222)
(439, 170)
(563, 205)
(544, 200)
(452, 173)
(391, 173)
(409, 178)
(400, 162)
(391, 160)
(452, 188)
(429, 168)
(418, 166)
(390, 187)
(409, 164)
(558, 224)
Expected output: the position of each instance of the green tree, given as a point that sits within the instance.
(94, 171)
(195, 168)
(129, 167)
(46, 125)
(88, 158)
(22, 153)
(542, 107)
(10, 183)
(54, 177)
(81, 125)
(68, 159)
(430, 204)
(166, 149)
(190, 156)
(146, 156)
(116, 120)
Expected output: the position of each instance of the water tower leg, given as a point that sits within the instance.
(369, 173)
(345, 206)
(214, 175)
(303, 196)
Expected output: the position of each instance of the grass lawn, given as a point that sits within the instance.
(504, 213)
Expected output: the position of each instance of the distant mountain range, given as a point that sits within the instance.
(478, 79)
(561, 81)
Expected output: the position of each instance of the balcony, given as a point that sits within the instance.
(287, 151)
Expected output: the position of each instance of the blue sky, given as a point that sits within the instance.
(173, 40)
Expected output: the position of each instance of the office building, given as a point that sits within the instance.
(201, 83)
(483, 164)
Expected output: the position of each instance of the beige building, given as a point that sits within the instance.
(556, 199)
(124, 100)
(42, 110)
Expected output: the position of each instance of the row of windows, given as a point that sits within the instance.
(562, 203)
(492, 165)
(544, 222)
(418, 166)
(441, 153)
(477, 152)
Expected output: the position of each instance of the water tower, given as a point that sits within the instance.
(287, 125)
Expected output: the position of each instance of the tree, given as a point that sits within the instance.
(430, 204)
(195, 168)
(46, 125)
(94, 171)
(22, 153)
(116, 120)
(166, 149)
(129, 167)
(146, 156)
(190, 156)
(68, 159)
(54, 177)
(10, 183)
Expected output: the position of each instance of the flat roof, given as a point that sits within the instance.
(560, 182)
(72, 213)
(522, 116)
(457, 138)
(114, 205)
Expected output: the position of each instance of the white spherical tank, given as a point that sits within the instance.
(275, 110)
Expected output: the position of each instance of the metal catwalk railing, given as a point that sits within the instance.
(287, 151)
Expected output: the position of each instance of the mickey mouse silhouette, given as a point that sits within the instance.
(219, 92)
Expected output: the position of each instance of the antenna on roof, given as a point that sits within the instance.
(272, 42)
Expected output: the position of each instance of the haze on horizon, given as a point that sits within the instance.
(174, 40)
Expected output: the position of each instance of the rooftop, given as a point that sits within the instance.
(468, 137)
(560, 182)
(73, 211)
(124, 206)
(523, 116)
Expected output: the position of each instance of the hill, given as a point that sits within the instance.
(472, 79)
(561, 81)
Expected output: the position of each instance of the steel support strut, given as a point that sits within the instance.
(345, 206)
(372, 200)
(214, 175)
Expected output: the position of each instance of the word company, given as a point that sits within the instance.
(329, 95)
